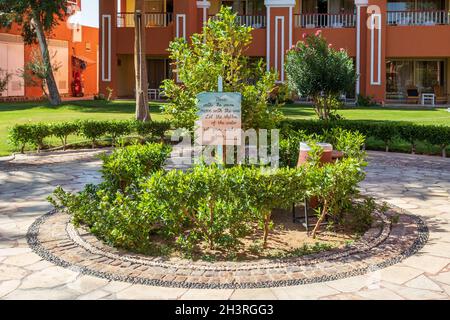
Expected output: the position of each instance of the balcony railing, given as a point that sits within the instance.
(325, 20)
(418, 18)
(256, 22)
(126, 20)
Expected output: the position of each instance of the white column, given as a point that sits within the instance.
(358, 50)
(205, 5)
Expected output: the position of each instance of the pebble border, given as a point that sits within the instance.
(421, 237)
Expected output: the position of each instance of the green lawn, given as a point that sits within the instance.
(420, 116)
(11, 114)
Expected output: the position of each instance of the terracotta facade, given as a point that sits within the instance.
(397, 46)
(74, 48)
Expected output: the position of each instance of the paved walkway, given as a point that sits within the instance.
(418, 184)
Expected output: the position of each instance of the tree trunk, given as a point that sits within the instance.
(321, 218)
(140, 64)
(53, 93)
(267, 218)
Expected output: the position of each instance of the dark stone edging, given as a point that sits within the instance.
(38, 248)
(361, 245)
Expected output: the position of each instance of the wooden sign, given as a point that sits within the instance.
(220, 115)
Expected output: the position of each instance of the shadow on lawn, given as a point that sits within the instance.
(89, 106)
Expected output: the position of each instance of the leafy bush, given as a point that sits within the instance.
(94, 130)
(38, 132)
(412, 134)
(20, 135)
(348, 142)
(206, 206)
(64, 130)
(117, 129)
(281, 95)
(154, 129)
(438, 135)
(315, 69)
(127, 165)
(23, 134)
(382, 130)
(366, 101)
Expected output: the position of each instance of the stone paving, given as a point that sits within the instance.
(418, 184)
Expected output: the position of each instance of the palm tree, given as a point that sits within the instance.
(140, 63)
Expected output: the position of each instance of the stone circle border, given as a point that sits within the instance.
(71, 250)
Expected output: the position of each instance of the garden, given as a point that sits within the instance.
(241, 211)
(217, 212)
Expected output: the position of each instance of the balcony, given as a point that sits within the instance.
(254, 21)
(325, 20)
(151, 20)
(418, 18)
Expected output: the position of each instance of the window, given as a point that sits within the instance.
(427, 76)
(323, 6)
(246, 7)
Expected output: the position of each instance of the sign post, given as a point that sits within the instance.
(220, 148)
(220, 119)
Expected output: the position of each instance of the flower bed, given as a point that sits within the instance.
(208, 210)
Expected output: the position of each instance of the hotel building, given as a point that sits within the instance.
(401, 49)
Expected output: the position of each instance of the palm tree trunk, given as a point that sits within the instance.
(53, 93)
(140, 64)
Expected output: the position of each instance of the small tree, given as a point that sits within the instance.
(36, 19)
(315, 69)
(36, 71)
(219, 51)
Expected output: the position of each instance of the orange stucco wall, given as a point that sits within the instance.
(339, 38)
(396, 41)
(418, 41)
(64, 33)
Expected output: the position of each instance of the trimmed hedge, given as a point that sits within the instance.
(385, 131)
(92, 130)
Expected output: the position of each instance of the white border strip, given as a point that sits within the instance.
(373, 26)
(183, 17)
(282, 41)
(268, 39)
(108, 28)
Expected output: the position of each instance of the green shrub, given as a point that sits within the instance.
(205, 206)
(316, 69)
(127, 165)
(152, 129)
(64, 130)
(119, 128)
(94, 130)
(366, 101)
(20, 135)
(38, 132)
(385, 132)
(381, 130)
(438, 135)
(159, 129)
(412, 133)
(357, 216)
